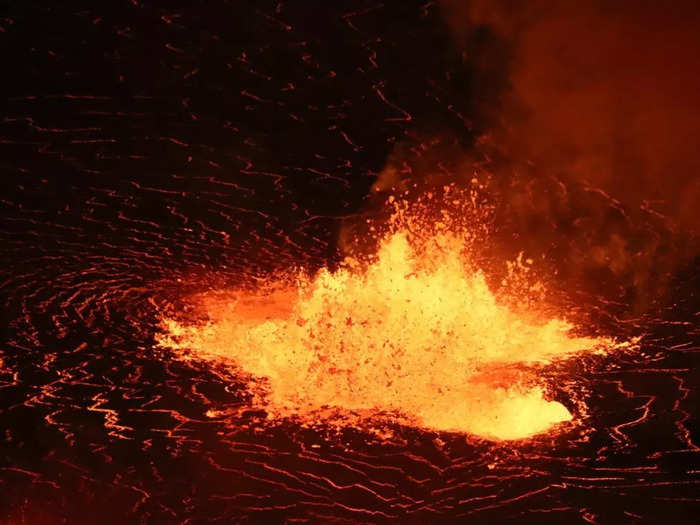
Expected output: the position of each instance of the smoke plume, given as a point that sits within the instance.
(601, 112)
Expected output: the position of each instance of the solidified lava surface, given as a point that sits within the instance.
(151, 152)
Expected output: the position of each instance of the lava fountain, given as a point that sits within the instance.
(413, 334)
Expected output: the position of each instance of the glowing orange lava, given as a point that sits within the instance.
(414, 334)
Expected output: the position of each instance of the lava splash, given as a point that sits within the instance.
(414, 334)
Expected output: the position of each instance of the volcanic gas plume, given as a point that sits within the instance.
(412, 334)
(605, 91)
(592, 109)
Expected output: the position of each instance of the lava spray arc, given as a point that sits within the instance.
(412, 334)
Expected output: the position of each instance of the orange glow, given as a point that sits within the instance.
(414, 335)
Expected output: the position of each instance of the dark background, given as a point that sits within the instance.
(150, 150)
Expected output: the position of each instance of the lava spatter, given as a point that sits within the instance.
(413, 334)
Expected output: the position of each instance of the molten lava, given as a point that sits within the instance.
(413, 334)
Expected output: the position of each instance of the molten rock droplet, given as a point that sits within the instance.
(415, 335)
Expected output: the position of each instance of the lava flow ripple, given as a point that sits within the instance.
(242, 145)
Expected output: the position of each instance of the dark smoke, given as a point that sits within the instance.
(606, 91)
(589, 120)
